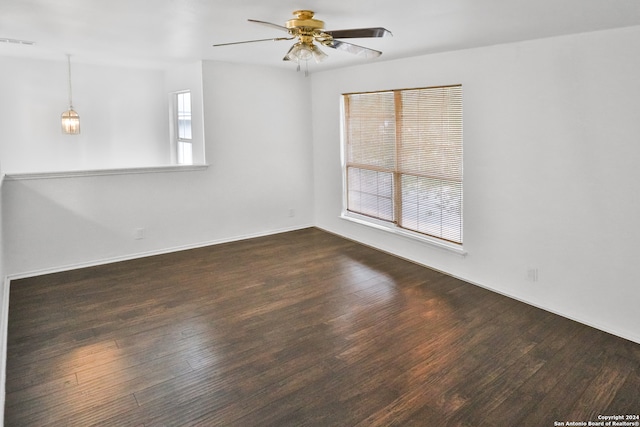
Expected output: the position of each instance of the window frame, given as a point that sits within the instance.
(393, 226)
(180, 141)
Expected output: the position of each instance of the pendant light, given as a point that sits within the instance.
(70, 119)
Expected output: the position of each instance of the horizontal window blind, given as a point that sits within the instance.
(404, 158)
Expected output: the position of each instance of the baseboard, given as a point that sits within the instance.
(6, 283)
(163, 251)
(4, 308)
(634, 339)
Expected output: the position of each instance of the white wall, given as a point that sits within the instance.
(4, 310)
(2, 271)
(257, 125)
(123, 116)
(551, 131)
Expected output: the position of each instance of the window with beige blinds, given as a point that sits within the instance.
(404, 158)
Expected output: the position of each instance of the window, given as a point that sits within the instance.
(403, 159)
(183, 128)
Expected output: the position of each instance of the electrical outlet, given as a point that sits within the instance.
(292, 213)
(138, 233)
(533, 275)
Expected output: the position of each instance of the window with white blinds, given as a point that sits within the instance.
(404, 158)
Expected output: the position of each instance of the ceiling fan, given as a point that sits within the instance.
(309, 31)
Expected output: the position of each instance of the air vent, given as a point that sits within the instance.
(16, 41)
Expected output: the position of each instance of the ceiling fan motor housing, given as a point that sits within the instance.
(304, 22)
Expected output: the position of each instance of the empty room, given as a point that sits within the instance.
(417, 213)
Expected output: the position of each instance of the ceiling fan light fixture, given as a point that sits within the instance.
(299, 52)
(304, 51)
(318, 55)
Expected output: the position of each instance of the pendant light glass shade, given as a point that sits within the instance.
(70, 122)
(70, 119)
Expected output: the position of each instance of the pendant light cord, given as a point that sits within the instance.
(69, 74)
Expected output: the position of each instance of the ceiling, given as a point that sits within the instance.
(157, 32)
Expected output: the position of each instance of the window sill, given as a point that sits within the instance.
(101, 172)
(379, 225)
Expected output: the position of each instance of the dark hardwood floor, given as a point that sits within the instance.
(300, 328)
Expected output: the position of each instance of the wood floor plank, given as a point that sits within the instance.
(298, 328)
(554, 359)
(602, 389)
(628, 395)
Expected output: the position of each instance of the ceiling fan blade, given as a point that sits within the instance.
(280, 27)
(254, 41)
(359, 33)
(352, 48)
